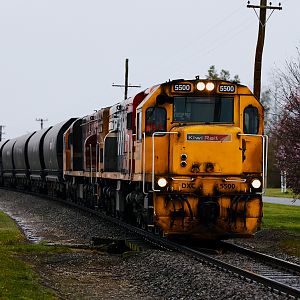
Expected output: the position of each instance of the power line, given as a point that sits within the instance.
(217, 42)
(172, 60)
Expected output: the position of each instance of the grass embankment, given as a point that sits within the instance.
(285, 217)
(17, 278)
(275, 192)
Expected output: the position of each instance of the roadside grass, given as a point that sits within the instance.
(284, 217)
(17, 278)
(276, 192)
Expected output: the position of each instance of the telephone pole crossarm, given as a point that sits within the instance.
(41, 120)
(265, 7)
(122, 85)
(126, 85)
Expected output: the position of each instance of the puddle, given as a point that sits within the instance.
(29, 232)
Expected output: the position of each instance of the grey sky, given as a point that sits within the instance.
(59, 58)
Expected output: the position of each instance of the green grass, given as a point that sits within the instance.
(276, 192)
(17, 278)
(284, 217)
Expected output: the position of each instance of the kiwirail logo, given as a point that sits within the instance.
(194, 137)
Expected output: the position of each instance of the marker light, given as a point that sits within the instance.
(210, 86)
(256, 183)
(162, 182)
(200, 86)
(183, 163)
(183, 156)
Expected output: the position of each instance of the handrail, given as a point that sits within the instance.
(183, 179)
(131, 156)
(265, 142)
(127, 138)
(96, 161)
(153, 154)
(91, 166)
(144, 163)
(235, 180)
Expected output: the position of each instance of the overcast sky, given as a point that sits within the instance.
(59, 58)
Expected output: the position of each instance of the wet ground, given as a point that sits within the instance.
(150, 274)
(286, 201)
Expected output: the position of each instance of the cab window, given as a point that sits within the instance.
(156, 120)
(203, 109)
(251, 120)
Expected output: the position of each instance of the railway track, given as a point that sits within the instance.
(278, 275)
(273, 272)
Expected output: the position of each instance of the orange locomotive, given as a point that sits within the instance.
(186, 157)
(183, 157)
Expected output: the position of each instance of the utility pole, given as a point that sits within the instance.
(42, 122)
(263, 7)
(1, 131)
(126, 85)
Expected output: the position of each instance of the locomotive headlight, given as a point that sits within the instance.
(210, 86)
(162, 182)
(256, 183)
(200, 86)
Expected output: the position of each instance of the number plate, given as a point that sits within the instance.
(227, 186)
(226, 88)
(182, 88)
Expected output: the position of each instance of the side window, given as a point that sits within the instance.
(139, 126)
(251, 120)
(156, 120)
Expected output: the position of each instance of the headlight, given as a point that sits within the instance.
(210, 86)
(162, 182)
(200, 86)
(256, 183)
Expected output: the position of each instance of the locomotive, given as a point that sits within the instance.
(182, 158)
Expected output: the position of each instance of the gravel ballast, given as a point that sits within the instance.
(90, 274)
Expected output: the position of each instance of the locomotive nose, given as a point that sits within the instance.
(206, 149)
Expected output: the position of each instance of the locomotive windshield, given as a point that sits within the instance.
(203, 109)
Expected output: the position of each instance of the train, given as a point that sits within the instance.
(184, 158)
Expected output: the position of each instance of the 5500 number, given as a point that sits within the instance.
(227, 186)
(226, 88)
(182, 87)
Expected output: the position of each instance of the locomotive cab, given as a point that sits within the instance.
(200, 147)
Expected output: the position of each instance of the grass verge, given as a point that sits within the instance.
(17, 278)
(276, 192)
(285, 217)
